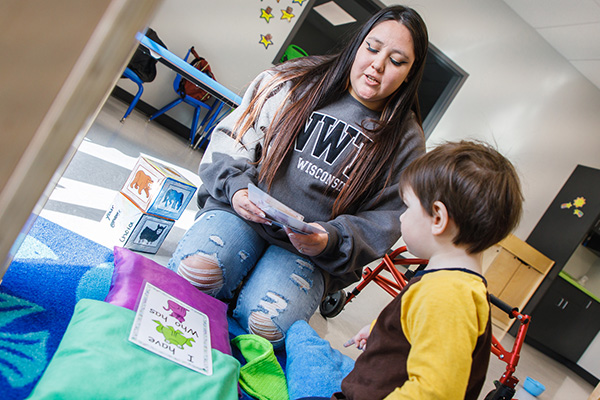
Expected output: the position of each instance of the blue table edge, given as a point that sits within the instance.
(191, 73)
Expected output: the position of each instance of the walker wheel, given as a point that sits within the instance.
(333, 304)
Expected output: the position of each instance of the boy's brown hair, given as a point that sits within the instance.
(479, 187)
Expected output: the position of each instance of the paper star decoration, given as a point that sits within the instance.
(287, 14)
(265, 40)
(298, 1)
(266, 13)
(577, 203)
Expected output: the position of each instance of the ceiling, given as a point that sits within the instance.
(572, 27)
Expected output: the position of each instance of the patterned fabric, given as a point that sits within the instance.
(53, 269)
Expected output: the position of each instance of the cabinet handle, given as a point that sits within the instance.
(565, 305)
(560, 302)
(588, 304)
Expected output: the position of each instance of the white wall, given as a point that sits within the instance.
(225, 32)
(521, 94)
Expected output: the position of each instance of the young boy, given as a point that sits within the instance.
(433, 340)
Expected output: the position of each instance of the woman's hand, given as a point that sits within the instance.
(310, 244)
(246, 209)
(360, 339)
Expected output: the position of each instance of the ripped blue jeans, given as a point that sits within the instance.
(220, 251)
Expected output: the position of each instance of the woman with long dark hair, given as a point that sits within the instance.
(328, 136)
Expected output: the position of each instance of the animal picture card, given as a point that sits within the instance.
(278, 213)
(172, 329)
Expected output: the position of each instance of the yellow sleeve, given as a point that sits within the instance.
(442, 317)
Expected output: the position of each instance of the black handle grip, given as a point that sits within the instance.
(503, 306)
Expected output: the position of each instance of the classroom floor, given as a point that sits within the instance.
(101, 166)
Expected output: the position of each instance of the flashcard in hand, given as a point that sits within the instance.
(278, 213)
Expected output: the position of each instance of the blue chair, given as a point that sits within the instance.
(197, 104)
(128, 73)
(210, 125)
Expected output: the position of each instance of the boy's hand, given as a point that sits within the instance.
(360, 339)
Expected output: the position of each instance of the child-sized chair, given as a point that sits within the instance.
(197, 104)
(128, 73)
(333, 304)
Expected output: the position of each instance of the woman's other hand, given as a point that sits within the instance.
(310, 244)
(247, 209)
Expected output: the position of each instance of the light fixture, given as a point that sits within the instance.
(334, 14)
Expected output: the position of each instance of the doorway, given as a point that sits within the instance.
(329, 24)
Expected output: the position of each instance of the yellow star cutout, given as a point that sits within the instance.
(298, 1)
(287, 14)
(266, 14)
(265, 40)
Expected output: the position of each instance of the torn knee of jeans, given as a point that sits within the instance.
(202, 271)
(217, 240)
(301, 282)
(261, 324)
(305, 264)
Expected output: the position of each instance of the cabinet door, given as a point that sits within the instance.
(564, 320)
(550, 321)
(589, 359)
(590, 326)
(500, 272)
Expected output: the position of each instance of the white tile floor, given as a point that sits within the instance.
(101, 166)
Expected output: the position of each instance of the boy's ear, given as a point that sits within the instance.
(440, 218)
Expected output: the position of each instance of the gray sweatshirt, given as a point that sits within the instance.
(310, 178)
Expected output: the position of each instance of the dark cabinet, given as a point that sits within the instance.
(565, 224)
(565, 320)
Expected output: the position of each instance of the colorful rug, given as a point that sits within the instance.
(52, 270)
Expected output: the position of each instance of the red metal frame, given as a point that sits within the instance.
(511, 358)
(388, 262)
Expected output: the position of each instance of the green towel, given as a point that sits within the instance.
(261, 376)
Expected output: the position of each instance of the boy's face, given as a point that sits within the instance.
(415, 225)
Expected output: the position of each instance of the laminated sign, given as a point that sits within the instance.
(173, 330)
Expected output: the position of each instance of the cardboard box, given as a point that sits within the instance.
(157, 189)
(126, 225)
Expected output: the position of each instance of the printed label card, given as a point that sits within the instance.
(173, 330)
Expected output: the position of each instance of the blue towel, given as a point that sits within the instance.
(313, 369)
